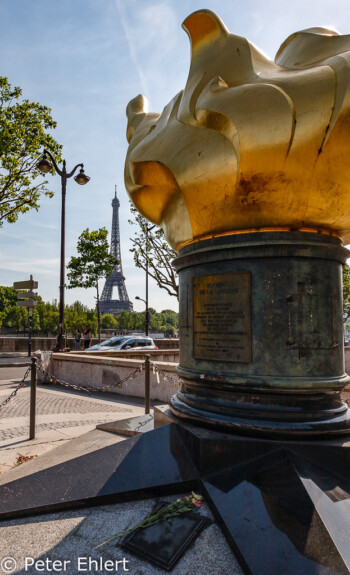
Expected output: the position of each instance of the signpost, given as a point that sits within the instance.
(27, 299)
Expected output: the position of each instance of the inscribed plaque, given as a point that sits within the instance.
(222, 317)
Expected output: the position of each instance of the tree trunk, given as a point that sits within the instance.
(98, 313)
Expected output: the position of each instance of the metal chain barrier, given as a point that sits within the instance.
(145, 422)
(14, 392)
(89, 389)
(157, 370)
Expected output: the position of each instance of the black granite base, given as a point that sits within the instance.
(164, 543)
(284, 506)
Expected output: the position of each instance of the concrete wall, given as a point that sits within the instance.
(168, 355)
(168, 343)
(19, 344)
(11, 344)
(90, 370)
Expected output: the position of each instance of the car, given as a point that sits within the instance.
(119, 342)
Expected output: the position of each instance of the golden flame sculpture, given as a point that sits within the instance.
(249, 144)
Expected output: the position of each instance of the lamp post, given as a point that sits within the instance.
(148, 229)
(46, 166)
(146, 313)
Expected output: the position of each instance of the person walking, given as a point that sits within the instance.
(87, 338)
(77, 339)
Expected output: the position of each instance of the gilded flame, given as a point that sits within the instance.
(249, 144)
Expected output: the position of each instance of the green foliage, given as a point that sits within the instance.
(155, 322)
(77, 315)
(91, 321)
(346, 292)
(131, 321)
(93, 263)
(108, 321)
(50, 322)
(160, 255)
(8, 298)
(24, 132)
(17, 318)
(170, 318)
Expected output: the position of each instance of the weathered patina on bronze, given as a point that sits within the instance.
(292, 383)
(222, 317)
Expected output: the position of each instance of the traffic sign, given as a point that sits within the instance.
(27, 303)
(29, 284)
(27, 295)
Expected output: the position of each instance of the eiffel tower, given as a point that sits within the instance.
(107, 304)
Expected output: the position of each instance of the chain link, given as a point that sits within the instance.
(89, 389)
(14, 392)
(142, 423)
(176, 381)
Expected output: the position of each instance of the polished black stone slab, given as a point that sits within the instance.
(284, 506)
(164, 543)
(267, 502)
(157, 462)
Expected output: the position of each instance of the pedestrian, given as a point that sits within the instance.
(77, 339)
(87, 338)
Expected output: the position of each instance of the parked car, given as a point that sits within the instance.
(124, 342)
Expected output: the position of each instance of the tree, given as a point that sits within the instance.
(170, 317)
(75, 316)
(17, 317)
(24, 131)
(155, 322)
(94, 263)
(153, 245)
(108, 321)
(8, 298)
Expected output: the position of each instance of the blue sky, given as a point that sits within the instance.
(86, 59)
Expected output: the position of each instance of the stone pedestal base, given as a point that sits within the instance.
(261, 334)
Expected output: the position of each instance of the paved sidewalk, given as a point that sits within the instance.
(69, 538)
(32, 544)
(61, 415)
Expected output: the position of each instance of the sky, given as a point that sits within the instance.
(86, 59)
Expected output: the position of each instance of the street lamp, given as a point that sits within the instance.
(81, 178)
(148, 229)
(146, 313)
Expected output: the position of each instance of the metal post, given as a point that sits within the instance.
(61, 337)
(147, 384)
(32, 399)
(146, 311)
(45, 166)
(148, 229)
(30, 312)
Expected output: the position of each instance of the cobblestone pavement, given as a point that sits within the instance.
(55, 403)
(61, 414)
(18, 431)
(51, 402)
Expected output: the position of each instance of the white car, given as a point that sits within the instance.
(124, 342)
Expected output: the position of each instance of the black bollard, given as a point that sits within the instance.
(32, 399)
(147, 383)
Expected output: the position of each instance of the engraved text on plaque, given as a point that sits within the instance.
(222, 317)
